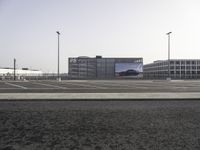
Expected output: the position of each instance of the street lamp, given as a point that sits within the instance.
(58, 76)
(168, 34)
(14, 69)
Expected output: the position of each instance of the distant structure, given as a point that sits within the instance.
(179, 69)
(8, 73)
(104, 68)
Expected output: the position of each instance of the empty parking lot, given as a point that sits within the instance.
(99, 86)
(104, 124)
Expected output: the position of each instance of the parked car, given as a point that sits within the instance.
(130, 72)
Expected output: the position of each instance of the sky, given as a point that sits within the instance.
(111, 28)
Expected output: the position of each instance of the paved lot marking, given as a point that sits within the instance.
(9, 88)
(86, 85)
(50, 85)
(112, 85)
(15, 85)
(99, 86)
(124, 85)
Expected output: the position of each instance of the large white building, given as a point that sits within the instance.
(9, 72)
(177, 69)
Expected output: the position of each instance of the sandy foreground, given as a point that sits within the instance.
(96, 125)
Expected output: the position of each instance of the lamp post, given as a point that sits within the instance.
(58, 76)
(14, 69)
(168, 34)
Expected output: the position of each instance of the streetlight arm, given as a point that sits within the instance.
(168, 33)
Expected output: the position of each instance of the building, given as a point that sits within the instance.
(8, 73)
(104, 68)
(178, 69)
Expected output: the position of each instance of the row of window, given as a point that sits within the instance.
(174, 72)
(183, 72)
(184, 67)
(185, 62)
(173, 67)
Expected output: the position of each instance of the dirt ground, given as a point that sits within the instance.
(100, 125)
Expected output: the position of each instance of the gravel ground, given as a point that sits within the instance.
(112, 125)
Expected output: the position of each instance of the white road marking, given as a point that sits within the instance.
(8, 88)
(113, 85)
(50, 85)
(15, 85)
(86, 85)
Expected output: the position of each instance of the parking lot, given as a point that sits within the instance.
(44, 114)
(99, 86)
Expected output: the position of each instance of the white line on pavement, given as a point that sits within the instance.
(15, 85)
(50, 85)
(86, 85)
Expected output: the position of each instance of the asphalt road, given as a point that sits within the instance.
(100, 125)
(99, 86)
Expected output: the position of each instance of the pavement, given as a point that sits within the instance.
(100, 90)
(100, 114)
(100, 125)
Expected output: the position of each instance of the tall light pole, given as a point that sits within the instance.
(14, 69)
(58, 76)
(168, 34)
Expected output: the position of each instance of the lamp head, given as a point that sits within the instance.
(58, 32)
(168, 33)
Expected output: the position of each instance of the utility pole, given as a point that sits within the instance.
(14, 69)
(168, 34)
(58, 76)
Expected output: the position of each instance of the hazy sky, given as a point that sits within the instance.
(111, 28)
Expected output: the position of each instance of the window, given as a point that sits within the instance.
(182, 67)
(193, 72)
(193, 67)
(182, 62)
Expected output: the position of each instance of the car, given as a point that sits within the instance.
(129, 72)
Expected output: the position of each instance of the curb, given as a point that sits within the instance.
(99, 96)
